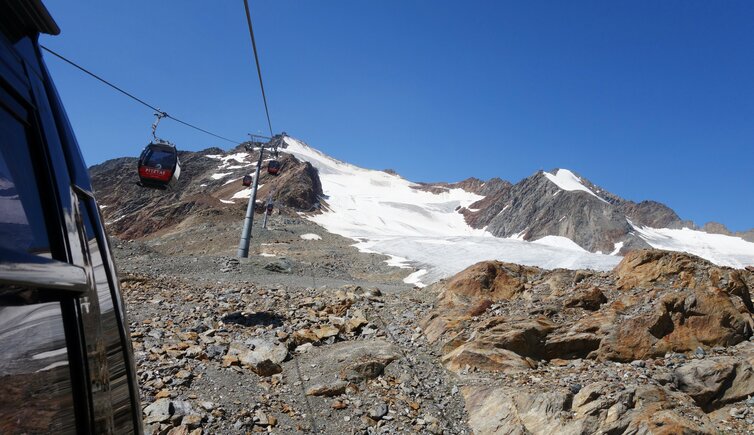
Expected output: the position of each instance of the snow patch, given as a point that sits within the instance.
(560, 242)
(311, 236)
(718, 248)
(227, 201)
(243, 194)
(446, 256)
(366, 203)
(115, 220)
(220, 175)
(567, 180)
(386, 215)
(617, 247)
(415, 278)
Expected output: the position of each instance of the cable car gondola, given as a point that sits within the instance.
(159, 165)
(273, 167)
(247, 180)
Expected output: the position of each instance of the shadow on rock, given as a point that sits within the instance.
(265, 318)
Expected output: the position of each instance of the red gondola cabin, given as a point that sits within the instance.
(247, 180)
(159, 165)
(273, 167)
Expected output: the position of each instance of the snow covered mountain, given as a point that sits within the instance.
(562, 203)
(551, 219)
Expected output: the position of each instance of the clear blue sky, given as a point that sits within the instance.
(649, 99)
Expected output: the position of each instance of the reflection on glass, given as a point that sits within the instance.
(109, 379)
(22, 224)
(34, 374)
(160, 159)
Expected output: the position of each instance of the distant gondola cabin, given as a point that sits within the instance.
(273, 167)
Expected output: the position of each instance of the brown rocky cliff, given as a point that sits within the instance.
(531, 323)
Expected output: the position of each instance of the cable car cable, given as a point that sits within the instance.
(139, 100)
(256, 60)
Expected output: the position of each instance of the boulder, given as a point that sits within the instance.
(595, 409)
(159, 411)
(493, 280)
(679, 322)
(332, 367)
(328, 390)
(590, 299)
(260, 355)
(715, 382)
(281, 265)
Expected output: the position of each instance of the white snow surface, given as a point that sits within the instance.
(446, 256)
(243, 194)
(560, 242)
(311, 236)
(718, 248)
(415, 278)
(387, 216)
(419, 229)
(567, 180)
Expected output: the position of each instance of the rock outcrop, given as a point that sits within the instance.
(675, 327)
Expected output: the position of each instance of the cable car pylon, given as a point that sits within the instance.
(243, 244)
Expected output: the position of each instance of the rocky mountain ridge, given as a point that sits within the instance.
(556, 203)
(209, 186)
(536, 207)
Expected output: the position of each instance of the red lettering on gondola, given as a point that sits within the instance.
(155, 174)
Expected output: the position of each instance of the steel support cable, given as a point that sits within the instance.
(135, 98)
(256, 60)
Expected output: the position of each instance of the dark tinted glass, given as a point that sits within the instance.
(109, 378)
(158, 158)
(35, 384)
(22, 226)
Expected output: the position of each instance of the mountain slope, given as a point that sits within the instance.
(569, 221)
(551, 219)
(419, 224)
(210, 185)
(560, 203)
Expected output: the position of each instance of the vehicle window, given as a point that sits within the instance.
(22, 226)
(159, 159)
(108, 370)
(34, 373)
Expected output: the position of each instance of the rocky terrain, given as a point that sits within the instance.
(318, 340)
(662, 344)
(309, 335)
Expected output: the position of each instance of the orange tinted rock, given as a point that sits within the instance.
(679, 322)
(493, 280)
